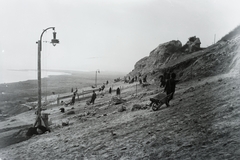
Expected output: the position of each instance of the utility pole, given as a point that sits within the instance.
(214, 38)
(136, 88)
(54, 42)
(97, 71)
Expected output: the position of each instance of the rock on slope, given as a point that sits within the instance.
(213, 60)
(157, 58)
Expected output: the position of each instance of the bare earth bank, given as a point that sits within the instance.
(201, 123)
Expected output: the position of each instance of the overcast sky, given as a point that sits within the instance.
(105, 34)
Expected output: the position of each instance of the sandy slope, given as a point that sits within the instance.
(202, 123)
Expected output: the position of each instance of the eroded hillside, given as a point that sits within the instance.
(201, 123)
(216, 59)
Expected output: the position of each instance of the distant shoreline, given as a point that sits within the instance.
(47, 73)
(15, 76)
(72, 71)
(46, 70)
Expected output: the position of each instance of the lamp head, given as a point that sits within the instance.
(54, 40)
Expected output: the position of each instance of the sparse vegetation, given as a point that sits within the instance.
(232, 34)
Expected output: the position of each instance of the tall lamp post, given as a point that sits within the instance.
(39, 42)
(97, 71)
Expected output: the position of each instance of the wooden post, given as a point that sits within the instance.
(96, 79)
(39, 79)
(214, 38)
(191, 71)
(58, 100)
(136, 89)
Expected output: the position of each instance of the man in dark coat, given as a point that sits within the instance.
(94, 96)
(118, 91)
(110, 90)
(103, 86)
(145, 79)
(73, 98)
(140, 81)
(170, 86)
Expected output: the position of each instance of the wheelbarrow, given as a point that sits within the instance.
(159, 100)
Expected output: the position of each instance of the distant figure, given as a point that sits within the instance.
(145, 79)
(103, 86)
(62, 110)
(170, 87)
(94, 96)
(72, 90)
(73, 98)
(71, 102)
(140, 81)
(107, 83)
(76, 91)
(118, 91)
(131, 81)
(110, 90)
(135, 79)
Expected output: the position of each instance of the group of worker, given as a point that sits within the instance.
(94, 95)
(168, 82)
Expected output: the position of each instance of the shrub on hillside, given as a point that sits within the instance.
(231, 34)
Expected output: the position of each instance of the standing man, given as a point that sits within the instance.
(170, 87)
(118, 91)
(103, 86)
(76, 90)
(145, 79)
(110, 90)
(140, 81)
(94, 96)
(73, 98)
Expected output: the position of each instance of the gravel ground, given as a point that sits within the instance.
(202, 122)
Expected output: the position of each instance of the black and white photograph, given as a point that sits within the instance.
(119, 80)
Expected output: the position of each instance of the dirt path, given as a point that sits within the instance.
(202, 123)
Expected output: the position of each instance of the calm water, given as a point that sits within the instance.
(9, 76)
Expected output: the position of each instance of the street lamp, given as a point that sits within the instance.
(54, 41)
(97, 71)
